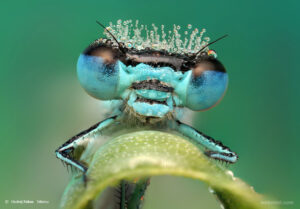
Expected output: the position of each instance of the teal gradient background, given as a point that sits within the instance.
(42, 103)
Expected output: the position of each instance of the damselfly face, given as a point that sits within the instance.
(152, 76)
(151, 82)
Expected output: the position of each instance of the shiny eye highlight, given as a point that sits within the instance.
(207, 85)
(97, 71)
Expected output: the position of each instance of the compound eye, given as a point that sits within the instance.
(201, 67)
(97, 71)
(207, 85)
(106, 53)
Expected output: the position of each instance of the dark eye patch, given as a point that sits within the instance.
(105, 50)
(204, 63)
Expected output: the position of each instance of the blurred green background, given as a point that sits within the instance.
(42, 103)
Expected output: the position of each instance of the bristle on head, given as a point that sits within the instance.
(139, 37)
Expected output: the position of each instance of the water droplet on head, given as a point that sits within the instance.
(129, 45)
(138, 36)
(207, 39)
(212, 53)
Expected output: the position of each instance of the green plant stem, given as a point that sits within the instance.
(152, 153)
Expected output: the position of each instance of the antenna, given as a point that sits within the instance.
(120, 46)
(210, 44)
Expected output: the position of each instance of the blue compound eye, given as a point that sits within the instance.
(97, 70)
(207, 85)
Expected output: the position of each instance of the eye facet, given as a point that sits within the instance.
(207, 85)
(98, 72)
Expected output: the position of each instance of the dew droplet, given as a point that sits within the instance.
(211, 190)
(139, 36)
(230, 173)
(212, 53)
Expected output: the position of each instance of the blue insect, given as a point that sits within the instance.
(152, 77)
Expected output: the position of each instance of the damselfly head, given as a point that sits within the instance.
(154, 71)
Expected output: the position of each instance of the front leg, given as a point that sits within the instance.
(65, 151)
(215, 149)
